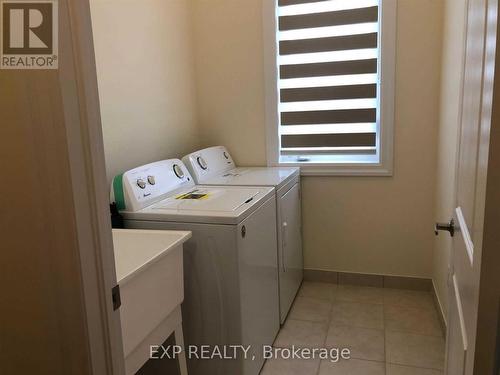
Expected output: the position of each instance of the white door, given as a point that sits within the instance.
(465, 263)
(290, 248)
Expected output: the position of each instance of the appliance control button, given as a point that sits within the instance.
(225, 155)
(141, 183)
(178, 171)
(151, 180)
(201, 162)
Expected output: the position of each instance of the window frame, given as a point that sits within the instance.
(385, 97)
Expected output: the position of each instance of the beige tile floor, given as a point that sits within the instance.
(388, 331)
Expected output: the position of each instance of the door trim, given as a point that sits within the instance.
(78, 86)
(464, 230)
(458, 301)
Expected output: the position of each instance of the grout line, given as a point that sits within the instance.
(417, 367)
(329, 323)
(339, 325)
(317, 298)
(305, 320)
(414, 333)
(369, 360)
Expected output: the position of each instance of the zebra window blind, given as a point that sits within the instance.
(328, 75)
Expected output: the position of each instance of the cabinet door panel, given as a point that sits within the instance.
(258, 280)
(290, 248)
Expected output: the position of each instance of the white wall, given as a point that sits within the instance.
(358, 224)
(146, 80)
(229, 74)
(451, 79)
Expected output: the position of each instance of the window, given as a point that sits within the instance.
(330, 84)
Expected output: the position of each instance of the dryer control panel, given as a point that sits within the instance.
(209, 162)
(142, 186)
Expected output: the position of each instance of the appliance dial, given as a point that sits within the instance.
(178, 171)
(141, 183)
(225, 155)
(151, 180)
(201, 162)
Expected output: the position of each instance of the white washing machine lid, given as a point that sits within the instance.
(208, 199)
(255, 176)
(206, 204)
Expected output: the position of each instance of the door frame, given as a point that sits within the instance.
(78, 86)
(486, 355)
(487, 351)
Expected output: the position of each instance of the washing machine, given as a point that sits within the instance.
(230, 263)
(215, 166)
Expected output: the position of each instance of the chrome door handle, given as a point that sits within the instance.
(449, 227)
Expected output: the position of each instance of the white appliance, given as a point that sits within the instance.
(230, 262)
(214, 166)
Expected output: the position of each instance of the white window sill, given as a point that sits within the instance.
(339, 165)
(340, 170)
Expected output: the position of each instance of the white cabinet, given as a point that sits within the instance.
(149, 270)
(290, 257)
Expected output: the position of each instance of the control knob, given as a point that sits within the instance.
(141, 183)
(201, 162)
(178, 171)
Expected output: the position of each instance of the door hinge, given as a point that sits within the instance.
(115, 294)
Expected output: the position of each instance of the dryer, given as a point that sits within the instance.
(215, 166)
(230, 263)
